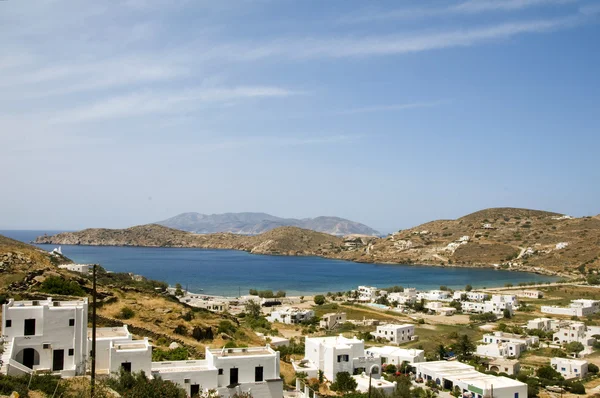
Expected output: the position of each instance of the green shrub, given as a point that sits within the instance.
(61, 286)
(319, 299)
(177, 354)
(126, 313)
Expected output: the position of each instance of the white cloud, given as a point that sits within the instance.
(393, 44)
(151, 102)
(464, 8)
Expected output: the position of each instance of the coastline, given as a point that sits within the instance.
(522, 269)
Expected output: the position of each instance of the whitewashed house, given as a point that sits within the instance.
(440, 308)
(291, 315)
(333, 355)
(570, 368)
(368, 294)
(409, 295)
(130, 356)
(505, 345)
(502, 365)
(332, 320)
(45, 336)
(576, 308)
(80, 268)
(470, 296)
(451, 374)
(395, 333)
(336, 354)
(228, 371)
(533, 294)
(434, 295)
(571, 332)
(394, 355)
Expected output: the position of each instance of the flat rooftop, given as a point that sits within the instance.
(134, 345)
(106, 333)
(181, 366)
(241, 352)
(335, 341)
(456, 371)
(391, 350)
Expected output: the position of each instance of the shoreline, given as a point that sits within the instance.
(532, 270)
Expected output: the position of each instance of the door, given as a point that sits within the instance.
(28, 357)
(126, 366)
(29, 327)
(195, 390)
(233, 376)
(258, 373)
(58, 360)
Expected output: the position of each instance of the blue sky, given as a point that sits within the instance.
(389, 113)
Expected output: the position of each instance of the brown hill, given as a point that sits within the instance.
(518, 239)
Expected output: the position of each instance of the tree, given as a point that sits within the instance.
(181, 329)
(252, 308)
(178, 290)
(547, 372)
(468, 288)
(593, 368)
(391, 368)
(577, 388)
(137, 385)
(343, 382)
(574, 347)
(441, 351)
(507, 314)
(464, 347)
(319, 299)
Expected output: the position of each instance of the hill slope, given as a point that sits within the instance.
(518, 239)
(257, 223)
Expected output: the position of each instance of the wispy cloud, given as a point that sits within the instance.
(395, 44)
(138, 104)
(465, 8)
(392, 107)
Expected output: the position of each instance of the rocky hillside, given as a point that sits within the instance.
(257, 223)
(519, 239)
(282, 240)
(18, 259)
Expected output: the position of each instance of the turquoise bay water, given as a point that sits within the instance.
(227, 272)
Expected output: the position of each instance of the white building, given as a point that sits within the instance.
(291, 315)
(456, 374)
(81, 268)
(333, 355)
(534, 294)
(494, 307)
(573, 331)
(130, 356)
(436, 295)
(207, 302)
(395, 333)
(332, 320)
(368, 293)
(470, 296)
(409, 295)
(228, 371)
(45, 336)
(440, 308)
(505, 345)
(501, 365)
(576, 308)
(394, 355)
(570, 368)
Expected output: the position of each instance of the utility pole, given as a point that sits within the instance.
(93, 379)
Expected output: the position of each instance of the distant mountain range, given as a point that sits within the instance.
(257, 223)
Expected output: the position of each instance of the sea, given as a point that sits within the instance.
(233, 273)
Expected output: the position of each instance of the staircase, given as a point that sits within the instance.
(6, 355)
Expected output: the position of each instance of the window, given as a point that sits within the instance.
(258, 373)
(346, 358)
(220, 371)
(339, 358)
(29, 327)
(8, 323)
(71, 322)
(71, 352)
(516, 395)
